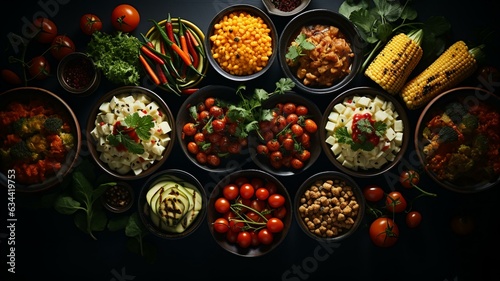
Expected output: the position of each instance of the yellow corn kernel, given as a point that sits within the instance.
(449, 69)
(393, 65)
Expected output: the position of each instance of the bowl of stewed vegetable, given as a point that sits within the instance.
(329, 206)
(457, 139)
(40, 139)
(288, 141)
(130, 132)
(249, 212)
(241, 42)
(321, 51)
(364, 131)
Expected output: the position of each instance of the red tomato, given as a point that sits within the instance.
(189, 129)
(222, 205)
(280, 212)
(231, 236)
(255, 238)
(301, 110)
(413, 219)
(409, 178)
(231, 191)
(125, 18)
(47, 30)
(262, 193)
(276, 200)
(247, 191)
(310, 126)
(39, 68)
(192, 147)
(213, 160)
(90, 23)
(265, 236)
(221, 225)
(10, 77)
(395, 202)
(236, 226)
(275, 225)
(384, 232)
(373, 193)
(61, 46)
(244, 239)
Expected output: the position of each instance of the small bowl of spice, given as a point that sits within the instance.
(285, 7)
(118, 197)
(77, 74)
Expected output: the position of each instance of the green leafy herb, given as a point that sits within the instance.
(82, 203)
(361, 140)
(133, 124)
(116, 56)
(296, 49)
(380, 20)
(248, 112)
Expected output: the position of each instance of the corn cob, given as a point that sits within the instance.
(395, 62)
(450, 68)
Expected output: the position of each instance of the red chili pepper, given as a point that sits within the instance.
(182, 37)
(161, 75)
(169, 28)
(147, 41)
(147, 51)
(189, 91)
(196, 44)
(192, 50)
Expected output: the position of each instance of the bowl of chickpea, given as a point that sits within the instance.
(329, 206)
(241, 42)
(321, 51)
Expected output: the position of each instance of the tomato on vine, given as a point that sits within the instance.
(395, 202)
(46, 30)
(125, 18)
(384, 232)
(410, 179)
(61, 46)
(413, 219)
(373, 193)
(90, 23)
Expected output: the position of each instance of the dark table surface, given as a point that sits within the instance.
(49, 245)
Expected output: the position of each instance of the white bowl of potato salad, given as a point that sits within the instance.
(130, 132)
(365, 131)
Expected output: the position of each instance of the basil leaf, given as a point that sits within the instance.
(66, 205)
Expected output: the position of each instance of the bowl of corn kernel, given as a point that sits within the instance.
(241, 42)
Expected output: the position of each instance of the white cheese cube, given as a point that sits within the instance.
(378, 101)
(398, 139)
(157, 149)
(330, 126)
(331, 141)
(95, 134)
(380, 115)
(113, 102)
(105, 157)
(336, 148)
(348, 112)
(123, 169)
(128, 100)
(363, 102)
(164, 139)
(164, 127)
(104, 107)
(348, 164)
(333, 116)
(339, 108)
(398, 125)
(390, 134)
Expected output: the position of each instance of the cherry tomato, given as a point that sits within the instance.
(236, 226)
(413, 219)
(301, 110)
(271, 187)
(276, 200)
(125, 18)
(462, 224)
(192, 147)
(395, 202)
(280, 212)
(231, 236)
(244, 239)
(257, 183)
(310, 126)
(384, 232)
(255, 238)
(247, 191)
(218, 125)
(39, 68)
(275, 225)
(265, 236)
(230, 191)
(61, 46)
(273, 145)
(221, 225)
(262, 193)
(201, 157)
(297, 164)
(373, 193)
(289, 108)
(189, 129)
(222, 205)
(47, 30)
(213, 160)
(297, 130)
(10, 77)
(409, 178)
(253, 216)
(90, 23)
(240, 181)
(258, 205)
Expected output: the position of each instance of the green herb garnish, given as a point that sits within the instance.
(132, 125)
(362, 139)
(296, 49)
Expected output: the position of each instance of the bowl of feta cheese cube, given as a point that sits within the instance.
(364, 131)
(130, 132)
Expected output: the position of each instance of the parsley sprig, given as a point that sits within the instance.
(361, 140)
(132, 124)
(296, 49)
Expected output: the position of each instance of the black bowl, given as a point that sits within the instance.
(183, 179)
(256, 12)
(10, 176)
(226, 94)
(339, 180)
(151, 164)
(325, 17)
(314, 147)
(475, 178)
(212, 214)
(389, 157)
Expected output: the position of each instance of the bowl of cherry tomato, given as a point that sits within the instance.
(329, 206)
(208, 137)
(287, 142)
(249, 212)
